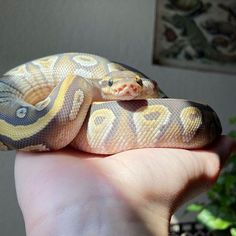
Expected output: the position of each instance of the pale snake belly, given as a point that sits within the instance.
(97, 106)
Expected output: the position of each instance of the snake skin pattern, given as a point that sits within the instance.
(61, 100)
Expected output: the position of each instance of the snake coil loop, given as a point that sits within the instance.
(97, 106)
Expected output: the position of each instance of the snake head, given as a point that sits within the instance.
(121, 85)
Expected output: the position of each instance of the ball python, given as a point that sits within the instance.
(97, 106)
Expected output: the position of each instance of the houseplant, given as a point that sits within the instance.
(219, 214)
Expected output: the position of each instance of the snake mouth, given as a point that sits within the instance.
(127, 91)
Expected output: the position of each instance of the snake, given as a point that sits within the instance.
(95, 105)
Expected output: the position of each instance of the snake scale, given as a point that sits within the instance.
(97, 106)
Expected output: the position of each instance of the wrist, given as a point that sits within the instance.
(103, 212)
(96, 206)
(149, 212)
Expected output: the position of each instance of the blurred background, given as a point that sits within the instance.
(122, 31)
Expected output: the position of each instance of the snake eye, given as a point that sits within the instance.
(140, 82)
(110, 82)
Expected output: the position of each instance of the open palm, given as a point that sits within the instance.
(131, 193)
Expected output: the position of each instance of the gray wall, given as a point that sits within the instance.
(119, 30)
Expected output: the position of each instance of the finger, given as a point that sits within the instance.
(223, 147)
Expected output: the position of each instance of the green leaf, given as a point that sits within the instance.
(232, 134)
(195, 207)
(233, 159)
(233, 231)
(212, 221)
(232, 120)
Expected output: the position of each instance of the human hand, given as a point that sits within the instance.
(131, 193)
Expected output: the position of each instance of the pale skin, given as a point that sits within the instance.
(131, 193)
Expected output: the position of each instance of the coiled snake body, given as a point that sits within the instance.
(96, 106)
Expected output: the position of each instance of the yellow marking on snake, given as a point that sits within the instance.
(191, 118)
(85, 60)
(46, 62)
(27, 131)
(151, 119)
(42, 104)
(77, 102)
(18, 71)
(34, 70)
(100, 125)
(113, 128)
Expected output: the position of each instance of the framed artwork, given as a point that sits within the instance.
(196, 34)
